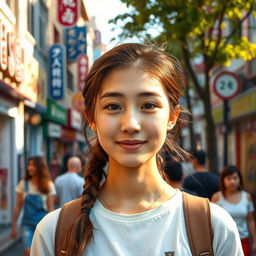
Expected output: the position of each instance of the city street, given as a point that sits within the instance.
(14, 250)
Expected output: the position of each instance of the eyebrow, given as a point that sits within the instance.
(121, 95)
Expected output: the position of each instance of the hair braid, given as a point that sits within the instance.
(82, 231)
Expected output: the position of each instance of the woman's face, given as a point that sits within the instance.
(132, 116)
(232, 182)
(31, 168)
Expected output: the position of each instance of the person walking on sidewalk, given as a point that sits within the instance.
(131, 98)
(238, 204)
(69, 185)
(202, 182)
(35, 193)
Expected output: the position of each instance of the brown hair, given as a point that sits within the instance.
(42, 173)
(229, 170)
(148, 59)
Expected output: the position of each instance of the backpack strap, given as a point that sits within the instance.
(197, 217)
(67, 218)
(25, 185)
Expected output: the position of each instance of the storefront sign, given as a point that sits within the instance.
(77, 102)
(56, 112)
(57, 71)
(82, 70)
(68, 12)
(74, 119)
(11, 54)
(67, 134)
(54, 130)
(76, 42)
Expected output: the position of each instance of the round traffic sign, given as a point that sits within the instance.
(226, 85)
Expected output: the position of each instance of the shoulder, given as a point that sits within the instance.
(226, 240)
(47, 226)
(249, 197)
(221, 220)
(215, 197)
(21, 186)
(44, 236)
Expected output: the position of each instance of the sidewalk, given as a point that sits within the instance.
(14, 250)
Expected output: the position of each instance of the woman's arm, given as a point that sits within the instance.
(16, 213)
(50, 202)
(251, 226)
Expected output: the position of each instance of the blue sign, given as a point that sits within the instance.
(57, 71)
(75, 42)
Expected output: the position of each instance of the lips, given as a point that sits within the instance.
(131, 144)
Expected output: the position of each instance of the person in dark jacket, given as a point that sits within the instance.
(204, 183)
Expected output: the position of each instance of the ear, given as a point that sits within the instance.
(173, 117)
(91, 124)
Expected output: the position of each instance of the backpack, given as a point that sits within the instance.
(196, 215)
(33, 208)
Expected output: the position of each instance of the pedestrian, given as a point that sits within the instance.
(35, 194)
(131, 98)
(69, 185)
(54, 166)
(174, 173)
(239, 204)
(202, 182)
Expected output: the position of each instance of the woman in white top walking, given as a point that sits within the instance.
(238, 204)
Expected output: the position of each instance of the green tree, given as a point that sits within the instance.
(206, 29)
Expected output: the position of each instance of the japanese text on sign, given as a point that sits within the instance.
(75, 42)
(57, 69)
(68, 12)
(82, 70)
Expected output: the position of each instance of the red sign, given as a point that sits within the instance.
(82, 70)
(68, 12)
(11, 54)
(226, 85)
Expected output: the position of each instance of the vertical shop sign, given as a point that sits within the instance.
(57, 71)
(11, 54)
(75, 42)
(82, 70)
(68, 12)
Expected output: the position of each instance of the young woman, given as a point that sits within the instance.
(238, 204)
(131, 98)
(35, 189)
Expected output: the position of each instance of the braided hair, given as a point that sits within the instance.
(148, 59)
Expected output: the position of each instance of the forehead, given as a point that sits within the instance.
(131, 81)
(233, 175)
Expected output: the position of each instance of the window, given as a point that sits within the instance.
(70, 81)
(42, 32)
(30, 16)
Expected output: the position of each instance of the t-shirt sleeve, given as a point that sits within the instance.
(52, 191)
(44, 236)
(226, 237)
(20, 187)
(250, 206)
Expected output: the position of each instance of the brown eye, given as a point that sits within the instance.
(149, 106)
(112, 107)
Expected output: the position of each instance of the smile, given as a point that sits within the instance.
(131, 144)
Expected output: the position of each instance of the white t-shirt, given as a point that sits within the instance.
(238, 211)
(156, 232)
(32, 189)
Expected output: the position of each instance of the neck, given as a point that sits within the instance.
(200, 168)
(231, 192)
(133, 190)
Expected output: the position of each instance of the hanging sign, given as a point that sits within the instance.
(68, 12)
(57, 71)
(75, 42)
(226, 85)
(82, 70)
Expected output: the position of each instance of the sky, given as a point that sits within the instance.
(103, 10)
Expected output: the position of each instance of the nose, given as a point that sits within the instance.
(130, 121)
